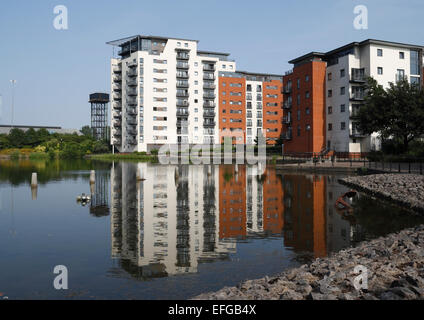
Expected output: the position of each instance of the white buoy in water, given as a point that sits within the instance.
(34, 182)
(92, 176)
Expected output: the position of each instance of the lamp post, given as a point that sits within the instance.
(13, 82)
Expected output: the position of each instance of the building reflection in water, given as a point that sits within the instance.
(184, 215)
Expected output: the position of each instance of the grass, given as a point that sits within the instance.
(125, 156)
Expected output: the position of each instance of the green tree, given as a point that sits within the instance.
(396, 112)
(86, 131)
(16, 138)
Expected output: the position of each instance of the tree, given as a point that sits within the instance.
(16, 138)
(396, 112)
(86, 131)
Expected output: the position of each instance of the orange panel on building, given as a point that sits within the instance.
(272, 112)
(304, 114)
(232, 109)
(273, 209)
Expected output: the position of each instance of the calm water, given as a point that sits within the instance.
(168, 237)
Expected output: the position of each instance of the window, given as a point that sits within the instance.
(298, 99)
(379, 52)
(196, 73)
(330, 93)
(308, 111)
(401, 55)
(343, 126)
(298, 115)
(298, 83)
(400, 75)
(330, 110)
(330, 76)
(380, 70)
(342, 73)
(307, 78)
(196, 82)
(186, 44)
(298, 131)
(342, 108)
(224, 66)
(249, 88)
(178, 44)
(330, 126)
(196, 64)
(307, 95)
(196, 100)
(342, 91)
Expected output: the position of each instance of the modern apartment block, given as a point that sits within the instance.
(324, 91)
(165, 91)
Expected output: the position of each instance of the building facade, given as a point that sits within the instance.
(166, 91)
(324, 91)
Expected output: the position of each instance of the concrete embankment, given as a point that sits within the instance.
(393, 267)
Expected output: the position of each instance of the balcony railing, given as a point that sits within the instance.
(132, 64)
(117, 79)
(182, 112)
(132, 73)
(287, 89)
(357, 96)
(287, 104)
(182, 65)
(132, 92)
(132, 111)
(208, 113)
(358, 75)
(182, 103)
(183, 75)
(208, 68)
(356, 133)
(287, 120)
(182, 84)
(208, 95)
(131, 102)
(117, 105)
(117, 96)
(182, 93)
(117, 114)
(209, 104)
(117, 123)
(208, 76)
(117, 87)
(183, 56)
(207, 85)
(209, 124)
(117, 69)
(132, 83)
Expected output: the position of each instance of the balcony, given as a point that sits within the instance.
(208, 76)
(287, 105)
(287, 89)
(182, 103)
(209, 95)
(131, 102)
(117, 96)
(183, 75)
(208, 68)
(209, 114)
(116, 69)
(182, 65)
(358, 75)
(116, 132)
(132, 83)
(183, 56)
(287, 120)
(117, 105)
(132, 122)
(132, 92)
(209, 124)
(357, 96)
(182, 93)
(132, 111)
(182, 112)
(132, 73)
(182, 122)
(132, 64)
(209, 104)
(182, 84)
(355, 133)
(207, 85)
(354, 113)
(117, 79)
(286, 135)
(116, 114)
(117, 87)
(117, 124)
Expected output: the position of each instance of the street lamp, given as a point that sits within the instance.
(13, 82)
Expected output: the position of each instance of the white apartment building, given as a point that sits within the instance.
(164, 91)
(347, 70)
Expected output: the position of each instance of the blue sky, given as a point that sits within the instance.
(56, 70)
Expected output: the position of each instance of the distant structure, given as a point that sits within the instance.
(99, 120)
(5, 129)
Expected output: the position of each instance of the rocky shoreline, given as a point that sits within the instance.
(394, 264)
(394, 271)
(406, 190)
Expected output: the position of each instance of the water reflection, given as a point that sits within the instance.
(181, 216)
